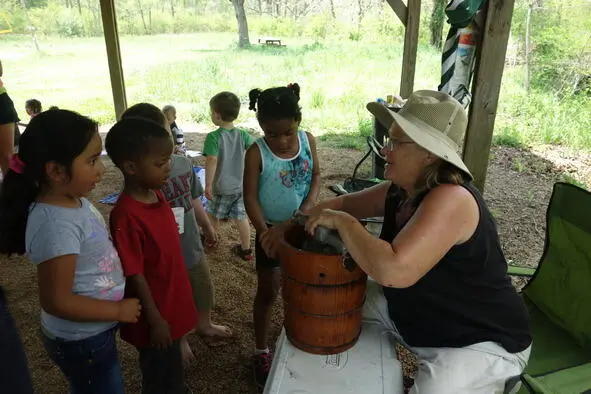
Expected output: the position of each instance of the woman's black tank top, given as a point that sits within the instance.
(466, 298)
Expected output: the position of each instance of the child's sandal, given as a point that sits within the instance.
(244, 254)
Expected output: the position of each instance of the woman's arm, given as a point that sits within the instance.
(312, 196)
(447, 216)
(363, 204)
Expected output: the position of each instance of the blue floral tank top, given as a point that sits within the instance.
(284, 183)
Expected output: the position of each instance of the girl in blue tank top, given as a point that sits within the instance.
(284, 183)
(281, 175)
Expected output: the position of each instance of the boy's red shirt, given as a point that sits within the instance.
(147, 240)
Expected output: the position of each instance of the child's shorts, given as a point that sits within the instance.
(227, 206)
(262, 260)
(201, 285)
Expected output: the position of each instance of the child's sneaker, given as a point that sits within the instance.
(244, 254)
(261, 365)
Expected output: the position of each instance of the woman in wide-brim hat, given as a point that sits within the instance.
(439, 277)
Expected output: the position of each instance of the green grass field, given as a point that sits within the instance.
(337, 79)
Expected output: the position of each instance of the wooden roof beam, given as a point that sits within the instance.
(114, 56)
(400, 9)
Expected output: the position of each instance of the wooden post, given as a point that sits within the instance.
(114, 56)
(411, 40)
(486, 88)
(400, 9)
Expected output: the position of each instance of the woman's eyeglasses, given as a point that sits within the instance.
(391, 143)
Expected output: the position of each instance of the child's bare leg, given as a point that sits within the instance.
(244, 232)
(204, 301)
(267, 291)
(207, 328)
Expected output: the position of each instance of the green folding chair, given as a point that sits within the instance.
(558, 297)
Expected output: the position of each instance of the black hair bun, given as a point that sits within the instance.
(253, 96)
(295, 87)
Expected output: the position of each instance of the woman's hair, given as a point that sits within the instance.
(147, 111)
(132, 137)
(437, 173)
(34, 105)
(53, 136)
(276, 103)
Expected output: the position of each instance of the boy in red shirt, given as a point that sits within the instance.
(146, 236)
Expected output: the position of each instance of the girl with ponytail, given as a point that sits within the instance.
(281, 175)
(44, 213)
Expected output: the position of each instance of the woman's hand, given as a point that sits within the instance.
(328, 218)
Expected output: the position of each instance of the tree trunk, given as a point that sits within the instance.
(359, 15)
(141, 10)
(93, 7)
(332, 11)
(527, 47)
(79, 7)
(243, 39)
(30, 25)
(362, 9)
(436, 22)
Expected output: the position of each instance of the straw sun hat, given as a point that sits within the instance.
(433, 120)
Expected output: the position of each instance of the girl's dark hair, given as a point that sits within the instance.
(131, 138)
(147, 111)
(276, 103)
(34, 105)
(53, 136)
